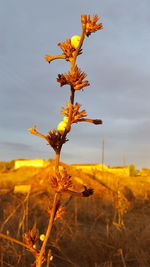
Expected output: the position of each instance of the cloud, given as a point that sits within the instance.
(16, 146)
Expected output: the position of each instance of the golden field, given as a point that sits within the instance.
(109, 229)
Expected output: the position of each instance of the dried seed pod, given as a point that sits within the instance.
(31, 237)
(74, 79)
(68, 49)
(76, 114)
(61, 211)
(90, 24)
(55, 139)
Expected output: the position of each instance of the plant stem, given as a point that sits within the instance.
(48, 232)
(73, 62)
(122, 258)
(72, 94)
(72, 66)
(52, 217)
(57, 159)
(18, 242)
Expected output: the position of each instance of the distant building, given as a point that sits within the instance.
(145, 172)
(90, 167)
(30, 163)
(22, 189)
(123, 171)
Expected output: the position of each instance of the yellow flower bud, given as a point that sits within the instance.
(65, 119)
(75, 40)
(61, 127)
(42, 237)
(51, 258)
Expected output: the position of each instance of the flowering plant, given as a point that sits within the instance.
(56, 138)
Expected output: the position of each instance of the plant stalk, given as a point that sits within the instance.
(39, 261)
(18, 242)
(41, 255)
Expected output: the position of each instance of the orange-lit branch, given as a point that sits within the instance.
(96, 121)
(34, 251)
(51, 58)
(86, 193)
(35, 132)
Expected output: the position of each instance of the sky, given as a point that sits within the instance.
(116, 60)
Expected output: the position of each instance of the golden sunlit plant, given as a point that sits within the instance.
(56, 138)
(121, 205)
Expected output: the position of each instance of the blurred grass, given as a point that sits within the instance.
(107, 229)
(18, 176)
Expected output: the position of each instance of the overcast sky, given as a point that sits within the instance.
(116, 59)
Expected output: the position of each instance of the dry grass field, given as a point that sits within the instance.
(109, 229)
